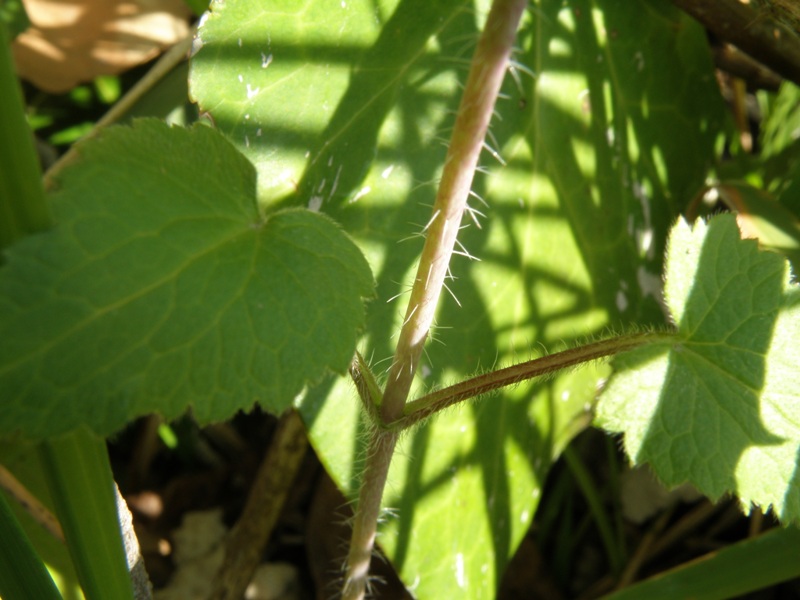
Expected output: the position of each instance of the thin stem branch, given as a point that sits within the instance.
(483, 84)
(168, 61)
(266, 500)
(755, 33)
(30, 503)
(367, 387)
(422, 408)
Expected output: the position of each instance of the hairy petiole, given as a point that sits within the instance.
(428, 405)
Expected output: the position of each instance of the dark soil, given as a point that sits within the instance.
(562, 555)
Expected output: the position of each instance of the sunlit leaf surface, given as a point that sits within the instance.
(344, 106)
(162, 288)
(719, 409)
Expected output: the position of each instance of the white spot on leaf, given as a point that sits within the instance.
(639, 60)
(197, 43)
(361, 193)
(621, 301)
(649, 283)
(461, 577)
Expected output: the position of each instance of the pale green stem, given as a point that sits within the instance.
(75, 466)
(78, 474)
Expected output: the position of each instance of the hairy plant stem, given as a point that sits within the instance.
(365, 521)
(475, 111)
(428, 405)
(422, 408)
(483, 84)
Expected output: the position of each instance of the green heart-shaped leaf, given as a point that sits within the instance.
(162, 288)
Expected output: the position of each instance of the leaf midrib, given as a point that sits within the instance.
(94, 316)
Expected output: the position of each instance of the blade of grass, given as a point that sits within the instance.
(613, 462)
(590, 493)
(23, 208)
(738, 569)
(22, 573)
(82, 487)
(76, 466)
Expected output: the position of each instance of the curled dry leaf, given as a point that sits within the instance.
(71, 41)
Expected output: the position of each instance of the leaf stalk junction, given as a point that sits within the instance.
(428, 405)
(388, 410)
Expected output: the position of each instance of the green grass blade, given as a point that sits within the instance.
(13, 15)
(82, 487)
(738, 569)
(22, 573)
(592, 496)
(23, 208)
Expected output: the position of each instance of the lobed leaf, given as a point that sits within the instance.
(719, 409)
(162, 288)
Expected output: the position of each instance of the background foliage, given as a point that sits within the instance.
(215, 267)
(575, 227)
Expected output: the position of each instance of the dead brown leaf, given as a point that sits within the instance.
(72, 41)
